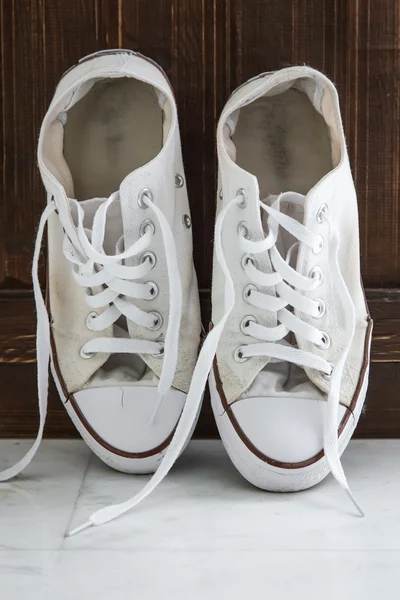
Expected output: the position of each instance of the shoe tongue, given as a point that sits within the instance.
(289, 203)
(284, 203)
(113, 225)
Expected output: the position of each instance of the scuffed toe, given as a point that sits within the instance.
(288, 430)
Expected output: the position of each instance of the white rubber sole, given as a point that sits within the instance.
(137, 466)
(264, 475)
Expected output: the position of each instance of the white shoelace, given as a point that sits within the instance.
(205, 360)
(104, 272)
(280, 351)
(275, 350)
(285, 279)
(98, 269)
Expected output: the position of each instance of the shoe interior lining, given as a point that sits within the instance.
(284, 141)
(115, 128)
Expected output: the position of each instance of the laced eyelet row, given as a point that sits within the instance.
(316, 272)
(246, 259)
(146, 256)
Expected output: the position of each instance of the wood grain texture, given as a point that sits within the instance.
(19, 414)
(17, 325)
(207, 48)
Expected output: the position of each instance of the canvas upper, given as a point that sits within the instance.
(293, 349)
(157, 146)
(122, 292)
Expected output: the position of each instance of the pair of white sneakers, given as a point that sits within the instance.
(289, 347)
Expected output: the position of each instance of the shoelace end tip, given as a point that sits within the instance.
(356, 504)
(79, 529)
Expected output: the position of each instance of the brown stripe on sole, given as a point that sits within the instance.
(316, 457)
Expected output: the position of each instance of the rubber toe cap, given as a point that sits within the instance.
(122, 416)
(288, 430)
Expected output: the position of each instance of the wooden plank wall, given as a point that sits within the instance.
(207, 48)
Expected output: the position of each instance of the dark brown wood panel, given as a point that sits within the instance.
(377, 149)
(207, 48)
(19, 414)
(18, 399)
(193, 78)
(22, 108)
(357, 44)
(17, 325)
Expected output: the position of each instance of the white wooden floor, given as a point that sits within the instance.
(204, 534)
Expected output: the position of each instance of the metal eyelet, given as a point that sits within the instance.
(320, 247)
(322, 213)
(147, 224)
(238, 355)
(187, 221)
(321, 307)
(84, 354)
(328, 376)
(316, 274)
(243, 230)
(179, 181)
(144, 192)
(148, 256)
(248, 258)
(325, 341)
(162, 350)
(91, 315)
(153, 288)
(242, 192)
(244, 325)
(247, 291)
(158, 321)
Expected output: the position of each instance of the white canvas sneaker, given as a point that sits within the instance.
(292, 331)
(122, 291)
(291, 371)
